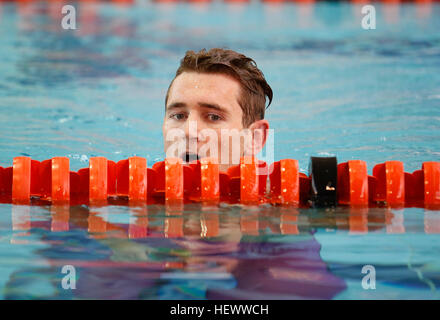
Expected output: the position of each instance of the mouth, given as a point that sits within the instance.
(189, 157)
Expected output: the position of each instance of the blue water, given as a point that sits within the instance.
(338, 90)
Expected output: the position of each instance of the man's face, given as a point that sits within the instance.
(199, 106)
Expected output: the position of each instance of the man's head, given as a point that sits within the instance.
(215, 92)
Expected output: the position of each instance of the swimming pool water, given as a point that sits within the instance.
(339, 90)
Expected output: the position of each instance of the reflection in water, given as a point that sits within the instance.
(209, 223)
(194, 251)
(21, 218)
(174, 222)
(394, 221)
(198, 221)
(288, 221)
(21, 221)
(358, 220)
(423, 11)
(138, 224)
(305, 12)
(97, 224)
(249, 223)
(60, 218)
(432, 221)
(391, 12)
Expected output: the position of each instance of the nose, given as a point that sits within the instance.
(192, 127)
(192, 131)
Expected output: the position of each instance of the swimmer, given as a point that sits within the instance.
(214, 95)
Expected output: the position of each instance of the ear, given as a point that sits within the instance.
(259, 130)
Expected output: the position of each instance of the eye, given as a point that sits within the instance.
(177, 116)
(214, 117)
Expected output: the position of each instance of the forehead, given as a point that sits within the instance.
(191, 87)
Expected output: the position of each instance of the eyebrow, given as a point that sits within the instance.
(213, 106)
(176, 105)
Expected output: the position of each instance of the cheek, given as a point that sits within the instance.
(164, 130)
(164, 134)
(236, 122)
(167, 128)
(167, 123)
(170, 125)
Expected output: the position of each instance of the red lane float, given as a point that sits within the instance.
(284, 182)
(21, 179)
(60, 179)
(209, 180)
(49, 180)
(247, 181)
(390, 187)
(249, 190)
(172, 181)
(137, 180)
(424, 185)
(353, 183)
(431, 178)
(98, 179)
